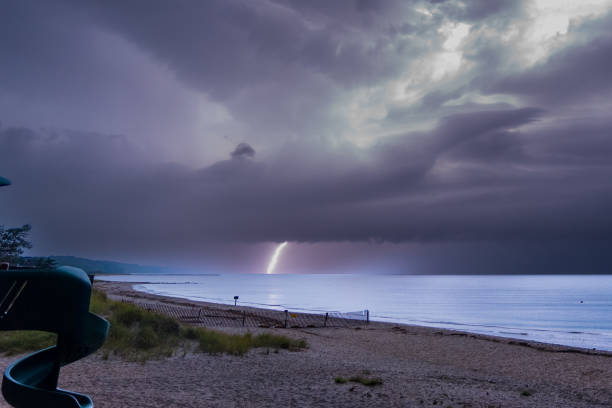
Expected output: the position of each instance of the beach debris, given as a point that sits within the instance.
(369, 382)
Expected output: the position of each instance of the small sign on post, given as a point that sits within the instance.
(235, 300)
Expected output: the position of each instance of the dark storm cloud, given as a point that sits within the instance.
(449, 258)
(59, 70)
(243, 150)
(511, 155)
(298, 57)
(93, 190)
(242, 44)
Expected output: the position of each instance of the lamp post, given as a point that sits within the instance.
(235, 300)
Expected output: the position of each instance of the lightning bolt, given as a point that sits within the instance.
(275, 257)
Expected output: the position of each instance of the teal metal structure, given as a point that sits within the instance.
(52, 300)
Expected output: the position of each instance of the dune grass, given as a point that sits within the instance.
(214, 342)
(19, 341)
(138, 334)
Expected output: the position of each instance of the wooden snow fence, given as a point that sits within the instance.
(242, 316)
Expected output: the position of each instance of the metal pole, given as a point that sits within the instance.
(325, 322)
(286, 317)
(367, 316)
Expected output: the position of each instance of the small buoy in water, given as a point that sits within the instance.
(581, 301)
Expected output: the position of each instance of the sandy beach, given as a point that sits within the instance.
(418, 366)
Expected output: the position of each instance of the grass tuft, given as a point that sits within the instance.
(278, 342)
(370, 382)
(215, 342)
(21, 341)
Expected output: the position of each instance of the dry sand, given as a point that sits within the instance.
(419, 367)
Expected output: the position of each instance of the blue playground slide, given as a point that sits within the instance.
(52, 300)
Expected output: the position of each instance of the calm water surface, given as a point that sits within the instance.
(573, 310)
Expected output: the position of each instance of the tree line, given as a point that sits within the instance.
(13, 243)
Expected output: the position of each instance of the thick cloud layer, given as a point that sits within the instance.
(389, 123)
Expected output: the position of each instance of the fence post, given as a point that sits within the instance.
(367, 317)
(325, 322)
(286, 317)
(243, 317)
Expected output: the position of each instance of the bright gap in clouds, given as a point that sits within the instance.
(449, 60)
(551, 20)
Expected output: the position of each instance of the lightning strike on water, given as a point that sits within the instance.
(275, 257)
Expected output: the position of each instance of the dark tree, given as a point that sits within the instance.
(13, 241)
(45, 263)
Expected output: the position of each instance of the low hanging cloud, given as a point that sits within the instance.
(474, 177)
(243, 150)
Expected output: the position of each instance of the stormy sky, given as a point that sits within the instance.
(440, 136)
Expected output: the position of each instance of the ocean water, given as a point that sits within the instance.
(574, 310)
